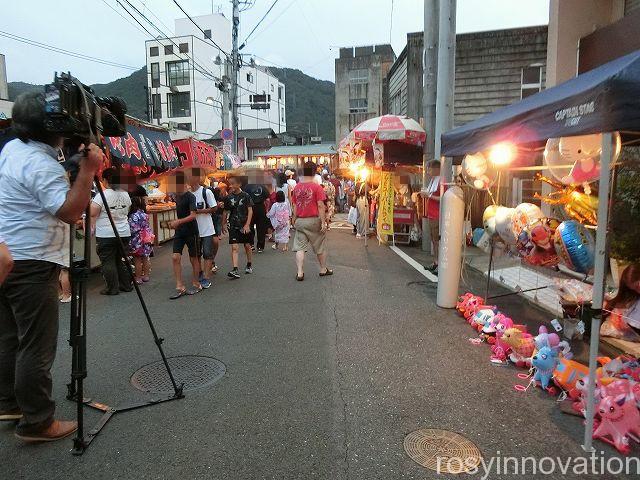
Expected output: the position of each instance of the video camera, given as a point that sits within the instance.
(73, 110)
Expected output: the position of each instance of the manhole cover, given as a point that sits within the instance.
(442, 451)
(194, 371)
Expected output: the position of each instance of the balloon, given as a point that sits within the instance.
(575, 246)
(577, 205)
(489, 219)
(524, 215)
(542, 251)
(477, 173)
(576, 160)
(504, 226)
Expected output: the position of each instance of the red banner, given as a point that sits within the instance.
(194, 153)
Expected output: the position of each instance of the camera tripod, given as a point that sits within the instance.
(79, 273)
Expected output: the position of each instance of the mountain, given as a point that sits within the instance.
(309, 100)
(130, 88)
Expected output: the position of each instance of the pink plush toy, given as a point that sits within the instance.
(620, 421)
(522, 346)
(500, 349)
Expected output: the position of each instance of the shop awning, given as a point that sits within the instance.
(194, 153)
(145, 148)
(604, 99)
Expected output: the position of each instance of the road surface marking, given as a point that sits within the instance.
(430, 276)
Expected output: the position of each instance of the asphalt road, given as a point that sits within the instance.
(324, 379)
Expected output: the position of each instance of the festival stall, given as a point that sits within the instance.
(580, 128)
(147, 151)
(392, 146)
(295, 156)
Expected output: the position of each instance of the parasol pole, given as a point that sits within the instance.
(598, 282)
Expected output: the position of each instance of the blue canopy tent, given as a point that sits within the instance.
(603, 100)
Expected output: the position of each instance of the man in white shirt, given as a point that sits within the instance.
(205, 206)
(37, 202)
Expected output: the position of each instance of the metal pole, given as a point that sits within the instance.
(225, 95)
(235, 63)
(430, 76)
(445, 83)
(599, 278)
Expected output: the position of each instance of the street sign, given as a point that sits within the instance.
(227, 134)
(260, 106)
(226, 149)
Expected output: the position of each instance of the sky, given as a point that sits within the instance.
(303, 34)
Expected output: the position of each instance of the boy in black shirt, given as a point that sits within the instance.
(238, 209)
(186, 229)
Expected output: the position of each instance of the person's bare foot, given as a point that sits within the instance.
(57, 430)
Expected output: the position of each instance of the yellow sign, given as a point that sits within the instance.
(385, 207)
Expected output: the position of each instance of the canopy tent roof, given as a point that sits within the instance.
(299, 150)
(604, 99)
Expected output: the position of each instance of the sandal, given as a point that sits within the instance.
(178, 293)
(326, 273)
(300, 278)
(193, 290)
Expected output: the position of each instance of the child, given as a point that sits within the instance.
(142, 238)
(624, 321)
(238, 210)
(280, 214)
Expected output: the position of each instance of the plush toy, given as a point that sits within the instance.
(545, 362)
(482, 317)
(522, 346)
(567, 374)
(468, 304)
(619, 421)
(500, 350)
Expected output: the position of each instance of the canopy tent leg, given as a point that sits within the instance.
(600, 274)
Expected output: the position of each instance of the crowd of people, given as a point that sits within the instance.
(39, 204)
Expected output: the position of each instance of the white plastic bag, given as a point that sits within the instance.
(352, 218)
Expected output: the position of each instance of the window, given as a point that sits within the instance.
(356, 119)
(358, 105)
(207, 34)
(178, 73)
(279, 93)
(179, 104)
(168, 49)
(250, 77)
(156, 106)
(531, 81)
(272, 88)
(153, 51)
(282, 113)
(184, 126)
(184, 48)
(359, 75)
(155, 75)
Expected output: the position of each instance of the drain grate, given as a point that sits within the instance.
(442, 451)
(194, 371)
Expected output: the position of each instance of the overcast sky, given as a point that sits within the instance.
(301, 34)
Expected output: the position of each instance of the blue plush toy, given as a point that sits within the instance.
(545, 362)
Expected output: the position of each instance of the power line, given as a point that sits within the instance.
(62, 51)
(198, 27)
(258, 24)
(274, 20)
(123, 17)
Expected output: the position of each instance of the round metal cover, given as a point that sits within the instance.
(442, 451)
(194, 371)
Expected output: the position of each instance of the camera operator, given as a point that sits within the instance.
(36, 201)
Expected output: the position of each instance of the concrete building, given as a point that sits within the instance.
(361, 83)
(493, 69)
(5, 104)
(584, 34)
(185, 79)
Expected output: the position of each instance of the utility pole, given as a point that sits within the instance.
(430, 72)
(225, 95)
(235, 64)
(446, 81)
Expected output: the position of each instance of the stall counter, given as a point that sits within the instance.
(159, 215)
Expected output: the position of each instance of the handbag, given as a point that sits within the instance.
(352, 218)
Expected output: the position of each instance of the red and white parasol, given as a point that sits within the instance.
(388, 128)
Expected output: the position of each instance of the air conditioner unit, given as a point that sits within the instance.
(172, 125)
